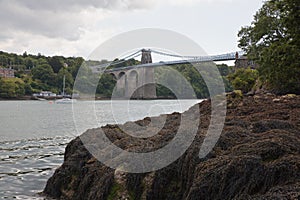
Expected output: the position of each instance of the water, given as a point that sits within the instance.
(33, 135)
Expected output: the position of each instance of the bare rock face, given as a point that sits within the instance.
(256, 157)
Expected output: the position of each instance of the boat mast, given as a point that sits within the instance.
(64, 84)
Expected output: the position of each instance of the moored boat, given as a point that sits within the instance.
(65, 101)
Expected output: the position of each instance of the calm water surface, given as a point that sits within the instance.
(33, 135)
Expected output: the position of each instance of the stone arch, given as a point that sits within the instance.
(121, 86)
(113, 75)
(121, 74)
(134, 76)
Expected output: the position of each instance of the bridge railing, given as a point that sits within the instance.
(184, 60)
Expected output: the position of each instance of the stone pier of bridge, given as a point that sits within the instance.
(136, 83)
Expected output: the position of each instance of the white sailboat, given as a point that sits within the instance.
(65, 100)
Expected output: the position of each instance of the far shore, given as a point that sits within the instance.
(32, 98)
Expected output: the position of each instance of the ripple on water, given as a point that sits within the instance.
(25, 166)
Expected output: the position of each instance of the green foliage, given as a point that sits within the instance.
(29, 63)
(162, 91)
(225, 70)
(227, 84)
(44, 73)
(28, 89)
(63, 72)
(74, 65)
(37, 85)
(175, 81)
(281, 68)
(243, 79)
(12, 87)
(194, 77)
(106, 85)
(56, 63)
(273, 41)
(122, 63)
(86, 81)
(4, 61)
(85, 85)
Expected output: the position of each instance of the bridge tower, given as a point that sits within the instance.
(146, 56)
(146, 88)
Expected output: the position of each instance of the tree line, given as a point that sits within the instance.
(35, 73)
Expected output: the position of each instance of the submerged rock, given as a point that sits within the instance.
(256, 157)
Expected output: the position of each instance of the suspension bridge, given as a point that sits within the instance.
(137, 81)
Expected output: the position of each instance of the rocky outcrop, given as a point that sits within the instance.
(256, 157)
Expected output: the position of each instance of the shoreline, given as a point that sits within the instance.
(31, 98)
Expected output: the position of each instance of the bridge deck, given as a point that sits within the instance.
(223, 57)
(185, 60)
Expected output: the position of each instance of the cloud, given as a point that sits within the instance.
(65, 19)
(75, 27)
(65, 5)
(194, 2)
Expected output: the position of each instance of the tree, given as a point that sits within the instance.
(243, 79)
(28, 89)
(224, 69)
(7, 88)
(4, 60)
(273, 41)
(44, 73)
(56, 63)
(29, 62)
(106, 85)
(19, 87)
(25, 54)
(12, 87)
(76, 66)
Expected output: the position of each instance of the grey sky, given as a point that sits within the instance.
(77, 27)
